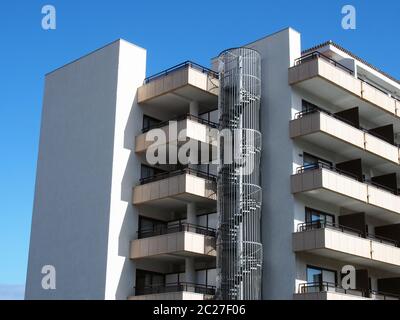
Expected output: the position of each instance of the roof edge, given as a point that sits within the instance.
(351, 54)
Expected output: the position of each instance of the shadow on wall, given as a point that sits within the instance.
(130, 223)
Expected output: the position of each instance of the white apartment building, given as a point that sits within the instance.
(115, 226)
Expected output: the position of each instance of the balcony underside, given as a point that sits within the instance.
(339, 190)
(347, 248)
(321, 79)
(174, 247)
(352, 205)
(173, 91)
(176, 100)
(178, 202)
(329, 142)
(338, 96)
(194, 131)
(172, 194)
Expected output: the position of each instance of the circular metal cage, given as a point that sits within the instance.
(239, 258)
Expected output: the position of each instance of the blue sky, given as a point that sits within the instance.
(171, 31)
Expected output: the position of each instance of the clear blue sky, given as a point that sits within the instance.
(171, 31)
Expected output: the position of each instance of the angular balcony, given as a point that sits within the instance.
(332, 291)
(173, 88)
(336, 186)
(174, 242)
(347, 245)
(196, 129)
(332, 81)
(173, 190)
(330, 131)
(174, 291)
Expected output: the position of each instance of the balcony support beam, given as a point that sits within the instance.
(190, 272)
(191, 217)
(194, 108)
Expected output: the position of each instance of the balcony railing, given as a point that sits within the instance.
(324, 286)
(315, 225)
(170, 174)
(158, 230)
(186, 64)
(323, 165)
(176, 287)
(316, 55)
(180, 118)
(316, 109)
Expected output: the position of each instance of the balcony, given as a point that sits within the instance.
(347, 245)
(174, 242)
(332, 81)
(175, 291)
(329, 131)
(332, 291)
(172, 190)
(195, 129)
(173, 88)
(335, 186)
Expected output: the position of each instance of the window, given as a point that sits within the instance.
(209, 220)
(147, 172)
(146, 279)
(206, 277)
(313, 215)
(322, 279)
(311, 162)
(151, 227)
(210, 115)
(149, 122)
(308, 106)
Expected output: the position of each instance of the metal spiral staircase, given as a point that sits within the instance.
(239, 260)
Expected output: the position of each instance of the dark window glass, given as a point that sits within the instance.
(147, 172)
(313, 215)
(318, 275)
(151, 227)
(308, 106)
(149, 122)
(311, 162)
(148, 279)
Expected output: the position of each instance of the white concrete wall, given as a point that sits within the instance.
(120, 278)
(278, 52)
(82, 221)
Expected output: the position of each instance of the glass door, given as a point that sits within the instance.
(320, 280)
(317, 219)
(311, 162)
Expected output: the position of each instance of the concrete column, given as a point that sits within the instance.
(194, 108)
(191, 217)
(190, 272)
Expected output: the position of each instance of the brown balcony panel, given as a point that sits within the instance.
(324, 130)
(337, 188)
(173, 246)
(173, 193)
(348, 247)
(173, 90)
(195, 131)
(332, 83)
